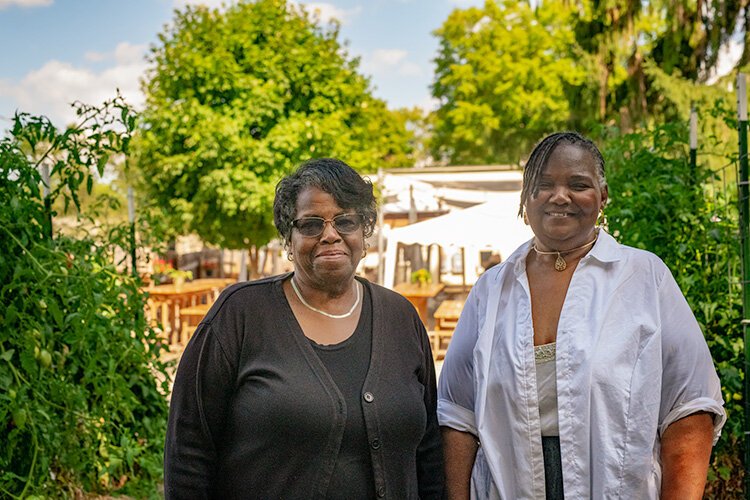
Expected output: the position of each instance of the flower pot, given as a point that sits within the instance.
(179, 281)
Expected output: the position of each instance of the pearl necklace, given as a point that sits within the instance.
(334, 316)
(560, 264)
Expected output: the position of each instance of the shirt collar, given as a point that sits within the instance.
(606, 248)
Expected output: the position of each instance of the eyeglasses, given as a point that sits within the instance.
(312, 227)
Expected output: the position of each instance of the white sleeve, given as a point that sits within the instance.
(456, 384)
(689, 380)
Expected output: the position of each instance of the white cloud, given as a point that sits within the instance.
(125, 53)
(329, 12)
(24, 3)
(51, 89)
(392, 61)
(428, 103)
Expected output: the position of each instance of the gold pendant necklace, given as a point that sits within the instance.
(560, 264)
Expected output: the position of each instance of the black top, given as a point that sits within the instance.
(255, 414)
(347, 364)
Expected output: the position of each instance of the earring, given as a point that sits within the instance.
(290, 257)
(601, 219)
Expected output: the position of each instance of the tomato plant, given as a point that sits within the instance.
(82, 389)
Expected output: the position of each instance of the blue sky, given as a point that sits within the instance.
(58, 51)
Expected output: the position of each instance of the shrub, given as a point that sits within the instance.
(659, 203)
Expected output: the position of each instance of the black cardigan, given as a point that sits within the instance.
(254, 413)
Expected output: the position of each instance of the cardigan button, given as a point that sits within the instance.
(381, 491)
(375, 444)
(368, 397)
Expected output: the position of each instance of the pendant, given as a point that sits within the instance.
(560, 263)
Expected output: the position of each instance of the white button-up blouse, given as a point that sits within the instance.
(631, 360)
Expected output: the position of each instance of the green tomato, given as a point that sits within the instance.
(45, 358)
(19, 417)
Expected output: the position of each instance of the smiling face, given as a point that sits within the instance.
(563, 212)
(328, 261)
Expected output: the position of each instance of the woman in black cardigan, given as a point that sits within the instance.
(313, 384)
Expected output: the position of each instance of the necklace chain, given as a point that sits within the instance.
(560, 264)
(334, 316)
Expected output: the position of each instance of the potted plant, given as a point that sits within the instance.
(179, 276)
(422, 277)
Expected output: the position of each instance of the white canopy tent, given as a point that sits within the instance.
(492, 225)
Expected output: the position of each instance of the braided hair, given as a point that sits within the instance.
(539, 157)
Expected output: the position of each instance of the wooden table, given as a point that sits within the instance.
(165, 301)
(418, 294)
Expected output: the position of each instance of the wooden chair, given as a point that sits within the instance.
(190, 318)
(446, 318)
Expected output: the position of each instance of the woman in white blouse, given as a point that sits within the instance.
(577, 368)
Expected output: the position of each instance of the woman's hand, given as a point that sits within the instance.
(459, 451)
(685, 453)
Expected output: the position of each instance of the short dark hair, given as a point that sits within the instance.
(348, 188)
(540, 156)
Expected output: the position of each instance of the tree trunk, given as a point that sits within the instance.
(253, 253)
(603, 81)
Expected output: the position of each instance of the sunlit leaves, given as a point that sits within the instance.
(236, 99)
(503, 74)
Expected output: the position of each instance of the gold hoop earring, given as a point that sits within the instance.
(290, 257)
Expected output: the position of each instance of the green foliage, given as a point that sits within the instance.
(236, 98)
(508, 74)
(503, 75)
(657, 202)
(80, 407)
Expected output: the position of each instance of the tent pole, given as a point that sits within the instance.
(463, 268)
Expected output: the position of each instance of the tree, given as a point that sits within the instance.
(503, 77)
(236, 98)
(623, 37)
(507, 74)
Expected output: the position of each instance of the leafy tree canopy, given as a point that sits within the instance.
(507, 74)
(503, 75)
(236, 98)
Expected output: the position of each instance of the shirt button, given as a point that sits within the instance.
(375, 444)
(381, 491)
(368, 397)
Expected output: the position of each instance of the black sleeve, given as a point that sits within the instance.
(430, 473)
(203, 389)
